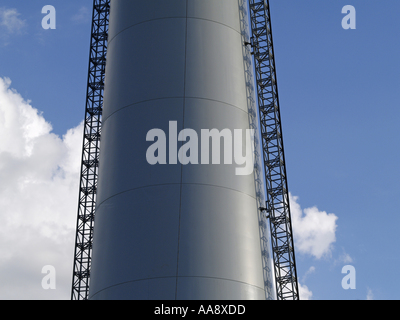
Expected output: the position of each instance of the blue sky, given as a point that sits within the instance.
(339, 97)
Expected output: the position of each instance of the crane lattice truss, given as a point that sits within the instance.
(277, 205)
(91, 148)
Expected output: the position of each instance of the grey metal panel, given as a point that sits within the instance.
(126, 147)
(164, 289)
(225, 12)
(219, 237)
(123, 147)
(136, 237)
(145, 62)
(214, 63)
(190, 231)
(128, 13)
(208, 114)
(214, 289)
(149, 289)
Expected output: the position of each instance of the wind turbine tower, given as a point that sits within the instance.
(175, 204)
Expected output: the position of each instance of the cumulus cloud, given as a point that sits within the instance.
(9, 19)
(39, 180)
(344, 258)
(304, 292)
(314, 230)
(370, 295)
(311, 270)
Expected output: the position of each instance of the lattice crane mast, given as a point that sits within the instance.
(277, 205)
(91, 149)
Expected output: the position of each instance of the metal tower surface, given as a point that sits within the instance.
(277, 205)
(90, 152)
(168, 229)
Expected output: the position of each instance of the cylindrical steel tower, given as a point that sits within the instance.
(171, 230)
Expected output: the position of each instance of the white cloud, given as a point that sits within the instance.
(304, 292)
(39, 180)
(309, 271)
(314, 230)
(345, 258)
(9, 18)
(370, 295)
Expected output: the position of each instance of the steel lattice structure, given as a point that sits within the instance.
(90, 152)
(277, 204)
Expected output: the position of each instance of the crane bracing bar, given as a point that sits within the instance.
(90, 152)
(277, 204)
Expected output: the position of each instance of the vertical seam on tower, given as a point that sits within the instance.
(183, 127)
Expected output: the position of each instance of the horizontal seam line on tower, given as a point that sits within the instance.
(166, 18)
(166, 184)
(168, 277)
(143, 101)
